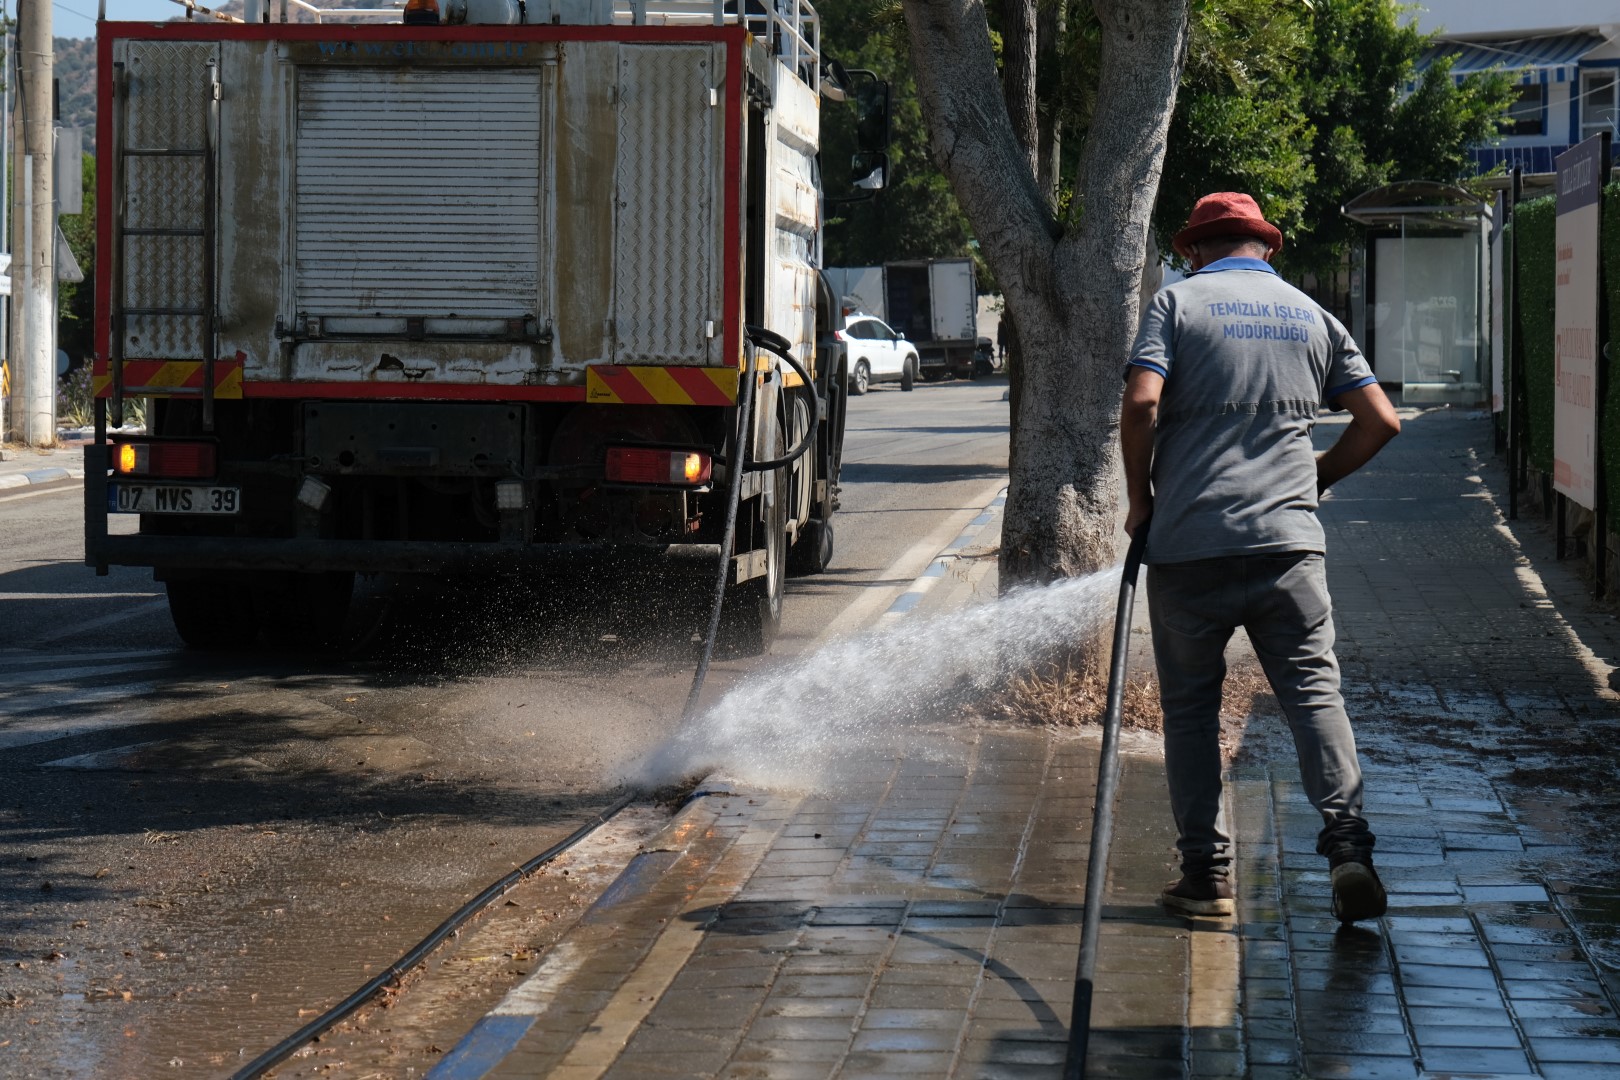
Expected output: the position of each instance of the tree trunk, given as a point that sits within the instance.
(1053, 22)
(1071, 292)
(1020, 42)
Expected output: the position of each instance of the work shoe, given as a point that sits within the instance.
(1207, 894)
(1357, 892)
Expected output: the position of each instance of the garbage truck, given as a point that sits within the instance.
(476, 285)
(933, 303)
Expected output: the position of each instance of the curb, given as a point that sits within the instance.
(39, 476)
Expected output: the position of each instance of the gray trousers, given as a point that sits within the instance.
(1283, 603)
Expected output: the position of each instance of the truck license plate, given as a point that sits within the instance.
(173, 499)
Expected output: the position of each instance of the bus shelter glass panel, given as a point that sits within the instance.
(1426, 317)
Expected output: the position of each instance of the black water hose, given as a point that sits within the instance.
(420, 951)
(775, 343)
(1102, 816)
(745, 412)
(782, 347)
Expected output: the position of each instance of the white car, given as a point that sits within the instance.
(877, 354)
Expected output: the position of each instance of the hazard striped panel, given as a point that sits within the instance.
(607, 384)
(172, 378)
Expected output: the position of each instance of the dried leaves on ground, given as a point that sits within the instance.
(1073, 693)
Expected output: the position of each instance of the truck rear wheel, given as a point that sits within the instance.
(814, 550)
(304, 611)
(752, 612)
(212, 614)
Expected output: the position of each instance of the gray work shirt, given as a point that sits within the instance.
(1247, 360)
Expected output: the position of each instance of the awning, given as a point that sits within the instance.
(1540, 59)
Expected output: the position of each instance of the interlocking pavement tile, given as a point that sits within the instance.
(797, 1050)
(906, 1040)
(778, 1028)
(1452, 996)
(1536, 990)
(881, 1066)
(776, 1070)
(940, 1019)
(1355, 1043)
(1558, 1070)
(1215, 1064)
(1574, 1027)
(1350, 1020)
(1505, 893)
(1460, 1059)
(1497, 1036)
(1606, 1051)
(1442, 956)
(808, 986)
(1449, 1016)
(1359, 1067)
(847, 1007)
(1273, 1051)
(1479, 978)
(1322, 1006)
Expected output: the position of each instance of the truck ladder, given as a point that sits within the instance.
(204, 231)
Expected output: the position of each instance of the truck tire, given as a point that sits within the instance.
(212, 614)
(305, 612)
(908, 374)
(860, 380)
(751, 614)
(814, 550)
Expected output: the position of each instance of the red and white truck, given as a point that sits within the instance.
(436, 298)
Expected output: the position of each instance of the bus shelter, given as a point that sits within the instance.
(1421, 316)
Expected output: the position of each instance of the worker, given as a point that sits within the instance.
(1222, 390)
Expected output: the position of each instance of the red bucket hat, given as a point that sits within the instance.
(1226, 213)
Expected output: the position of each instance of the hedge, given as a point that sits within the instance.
(1535, 230)
(1535, 235)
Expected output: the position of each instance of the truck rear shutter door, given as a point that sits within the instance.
(666, 250)
(418, 196)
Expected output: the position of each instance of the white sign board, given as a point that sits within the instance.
(1498, 273)
(1581, 171)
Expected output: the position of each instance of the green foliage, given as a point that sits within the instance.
(1239, 123)
(1534, 225)
(76, 300)
(74, 66)
(916, 216)
(1367, 134)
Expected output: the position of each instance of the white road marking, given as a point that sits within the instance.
(908, 567)
(148, 608)
(37, 494)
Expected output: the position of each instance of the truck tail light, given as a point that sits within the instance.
(189, 459)
(639, 465)
(421, 12)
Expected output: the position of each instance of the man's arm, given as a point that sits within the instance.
(1138, 413)
(1372, 424)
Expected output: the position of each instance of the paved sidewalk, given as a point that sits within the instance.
(923, 918)
(22, 466)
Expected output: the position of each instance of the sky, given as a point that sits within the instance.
(77, 18)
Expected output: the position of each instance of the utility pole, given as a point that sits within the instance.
(33, 266)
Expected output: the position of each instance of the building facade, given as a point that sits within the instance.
(1564, 55)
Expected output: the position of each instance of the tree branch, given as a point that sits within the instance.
(972, 135)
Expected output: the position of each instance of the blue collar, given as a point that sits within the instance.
(1236, 262)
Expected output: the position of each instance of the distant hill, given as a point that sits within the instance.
(76, 66)
(76, 86)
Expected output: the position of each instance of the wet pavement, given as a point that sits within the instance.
(921, 916)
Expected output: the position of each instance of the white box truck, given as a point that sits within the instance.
(933, 303)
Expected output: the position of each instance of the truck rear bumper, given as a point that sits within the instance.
(208, 553)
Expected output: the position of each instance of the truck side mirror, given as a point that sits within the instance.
(869, 171)
(871, 113)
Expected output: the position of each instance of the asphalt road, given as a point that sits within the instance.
(195, 851)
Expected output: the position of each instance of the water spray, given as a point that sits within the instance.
(1102, 817)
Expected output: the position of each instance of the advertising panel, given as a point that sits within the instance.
(1581, 171)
